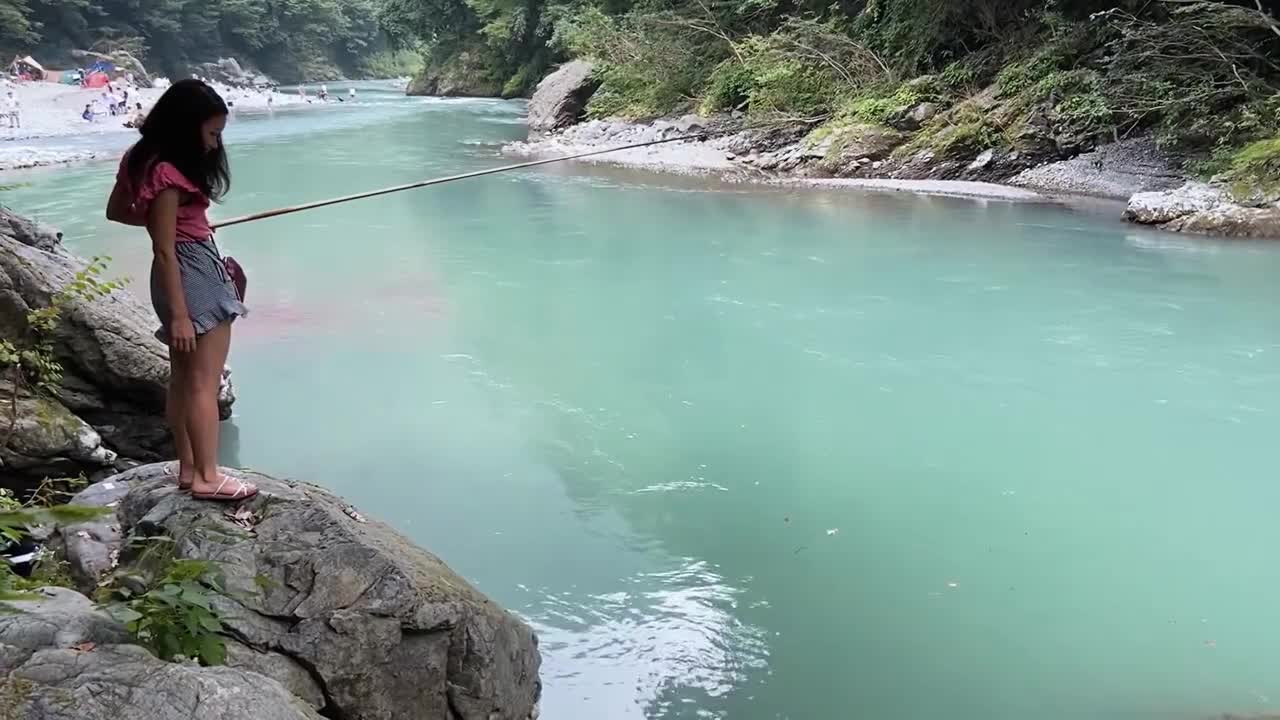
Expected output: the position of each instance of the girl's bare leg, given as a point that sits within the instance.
(204, 376)
(176, 414)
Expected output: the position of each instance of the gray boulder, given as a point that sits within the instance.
(560, 100)
(111, 399)
(125, 682)
(384, 630)
(58, 618)
(1158, 208)
(1201, 208)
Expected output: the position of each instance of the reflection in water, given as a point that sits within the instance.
(667, 646)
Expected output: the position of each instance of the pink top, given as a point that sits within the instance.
(193, 223)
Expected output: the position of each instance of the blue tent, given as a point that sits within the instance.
(103, 66)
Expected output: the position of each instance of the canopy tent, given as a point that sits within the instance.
(103, 66)
(96, 80)
(70, 77)
(27, 65)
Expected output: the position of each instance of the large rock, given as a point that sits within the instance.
(847, 150)
(55, 618)
(1157, 208)
(384, 630)
(1200, 208)
(64, 659)
(560, 100)
(124, 682)
(111, 398)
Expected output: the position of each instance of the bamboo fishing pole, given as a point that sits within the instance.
(441, 180)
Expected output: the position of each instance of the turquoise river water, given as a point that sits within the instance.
(754, 453)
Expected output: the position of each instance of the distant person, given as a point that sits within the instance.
(165, 183)
(324, 93)
(351, 94)
(88, 113)
(138, 118)
(13, 109)
(110, 101)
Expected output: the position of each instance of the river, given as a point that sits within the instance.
(757, 454)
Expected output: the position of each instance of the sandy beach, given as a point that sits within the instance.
(52, 110)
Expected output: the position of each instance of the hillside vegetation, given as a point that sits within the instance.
(291, 40)
(1201, 75)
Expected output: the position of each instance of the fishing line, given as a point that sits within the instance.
(441, 180)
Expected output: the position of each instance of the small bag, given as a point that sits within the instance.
(236, 273)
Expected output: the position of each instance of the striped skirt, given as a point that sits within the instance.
(211, 298)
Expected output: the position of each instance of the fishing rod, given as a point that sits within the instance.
(441, 180)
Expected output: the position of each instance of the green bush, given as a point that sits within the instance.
(174, 618)
(728, 88)
(1087, 112)
(1253, 173)
(870, 110)
(958, 77)
(793, 87)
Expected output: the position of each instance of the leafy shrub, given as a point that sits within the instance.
(792, 87)
(728, 88)
(1019, 76)
(1253, 173)
(958, 77)
(1085, 112)
(174, 618)
(870, 110)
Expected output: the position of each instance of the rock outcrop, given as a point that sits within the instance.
(560, 100)
(111, 399)
(461, 75)
(229, 71)
(341, 610)
(64, 659)
(1202, 208)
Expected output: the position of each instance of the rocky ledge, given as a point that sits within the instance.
(1040, 157)
(325, 613)
(110, 403)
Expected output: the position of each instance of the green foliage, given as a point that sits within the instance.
(29, 359)
(290, 39)
(870, 109)
(1253, 172)
(959, 77)
(728, 88)
(43, 507)
(174, 617)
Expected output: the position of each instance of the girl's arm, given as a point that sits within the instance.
(119, 207)
(162, 224)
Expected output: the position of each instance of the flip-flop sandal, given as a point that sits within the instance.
(243, 491)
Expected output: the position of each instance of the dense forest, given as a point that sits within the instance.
(288, 39)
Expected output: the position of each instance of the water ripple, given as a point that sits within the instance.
(665, 639)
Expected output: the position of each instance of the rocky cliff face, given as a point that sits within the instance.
(460, 75)
(111, 400)
(325, 611)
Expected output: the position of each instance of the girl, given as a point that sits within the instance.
(165, 183)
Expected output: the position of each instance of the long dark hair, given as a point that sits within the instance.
(172, 133)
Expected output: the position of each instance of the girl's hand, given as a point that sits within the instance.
(182, 335)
